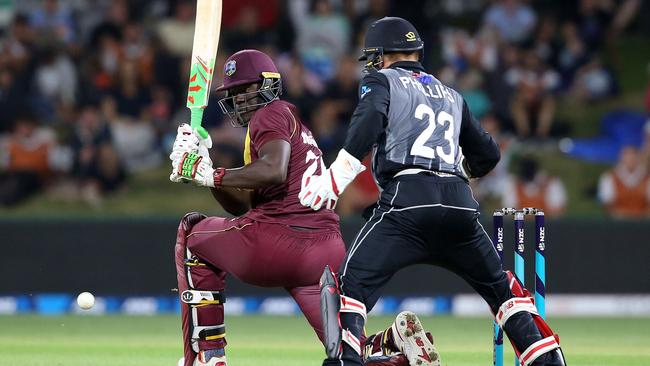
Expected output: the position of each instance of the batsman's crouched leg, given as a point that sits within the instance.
(532, 339)
(201, 291)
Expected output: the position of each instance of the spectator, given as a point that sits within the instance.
(593, 82)
(96, 164)
(533, 102)
(247, 32)
(327, 129)
(26, 163)
(546, 41)
(513, 20)
(647, 93)
(492, 185)
(376, 10)
(131, 96)
(343, 89)
(56, 81)
(625, 189)
(532, 187)
(54, 19)
(469, 86)
(646, 143)
(135, 141)
(301, 87)
(572, 55)
(323, 35)
(594, 17)
(177, 33)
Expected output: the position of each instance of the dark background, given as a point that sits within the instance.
(135, 256)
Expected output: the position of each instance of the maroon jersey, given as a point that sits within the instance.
(279, 120)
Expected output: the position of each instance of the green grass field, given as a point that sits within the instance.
(28, 340)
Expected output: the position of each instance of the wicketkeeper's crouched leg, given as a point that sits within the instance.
(201, 289)
(532, 339)
(403, 343)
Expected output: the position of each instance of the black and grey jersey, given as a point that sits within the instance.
(414, 121)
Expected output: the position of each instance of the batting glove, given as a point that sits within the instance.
(324, 190)
(193, 167)
(187, 141)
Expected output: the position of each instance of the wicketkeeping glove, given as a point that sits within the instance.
(324, 190)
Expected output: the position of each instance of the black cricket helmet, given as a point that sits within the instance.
(386, 35)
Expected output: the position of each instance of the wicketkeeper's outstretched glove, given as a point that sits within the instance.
(324, 190)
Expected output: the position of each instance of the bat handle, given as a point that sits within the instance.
(196, 117)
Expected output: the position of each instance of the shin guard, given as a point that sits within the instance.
(523, 302)
(201, 293)
(343, 318)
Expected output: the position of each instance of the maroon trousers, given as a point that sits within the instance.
(262, 254)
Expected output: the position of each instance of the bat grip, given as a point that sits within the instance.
(196, 117)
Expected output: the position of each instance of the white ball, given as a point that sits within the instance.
(85, 300)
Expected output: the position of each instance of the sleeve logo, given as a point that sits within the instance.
(365, 90)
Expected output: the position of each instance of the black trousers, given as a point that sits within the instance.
(423, 219)
(432, 220)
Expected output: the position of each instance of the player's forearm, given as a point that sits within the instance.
(259, 174)
(268, 170)
(364, 131)
(233, 200)
(479, 148)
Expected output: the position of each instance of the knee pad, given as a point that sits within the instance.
(523, 302)
(334, 305)
(190, 219)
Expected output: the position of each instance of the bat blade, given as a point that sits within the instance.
(204, 51)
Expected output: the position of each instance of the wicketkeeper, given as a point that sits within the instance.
(426, 146)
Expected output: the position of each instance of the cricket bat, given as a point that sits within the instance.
(204, 52)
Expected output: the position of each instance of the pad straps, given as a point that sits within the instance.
(537, 349)
(351, 340)
(513, 306)
(350, 305)
(196, 297)
(209, 333)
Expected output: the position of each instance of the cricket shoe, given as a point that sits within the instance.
(200, 360)
(410, 338)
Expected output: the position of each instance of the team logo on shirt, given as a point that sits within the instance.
(410, 37)
(230, 68)
(365, 90)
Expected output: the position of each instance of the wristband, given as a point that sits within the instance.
(218, 176)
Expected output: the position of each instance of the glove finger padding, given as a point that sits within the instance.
(193, 167)
(187, 141)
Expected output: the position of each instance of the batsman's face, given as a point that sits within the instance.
(246, 100)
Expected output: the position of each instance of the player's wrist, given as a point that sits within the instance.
(344, 169)
(217, 177)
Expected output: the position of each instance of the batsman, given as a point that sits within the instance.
(274, 241)
(427, 145)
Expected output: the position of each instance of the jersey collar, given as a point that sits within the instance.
(408, 65)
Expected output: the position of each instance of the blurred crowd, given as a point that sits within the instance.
(91, 92)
